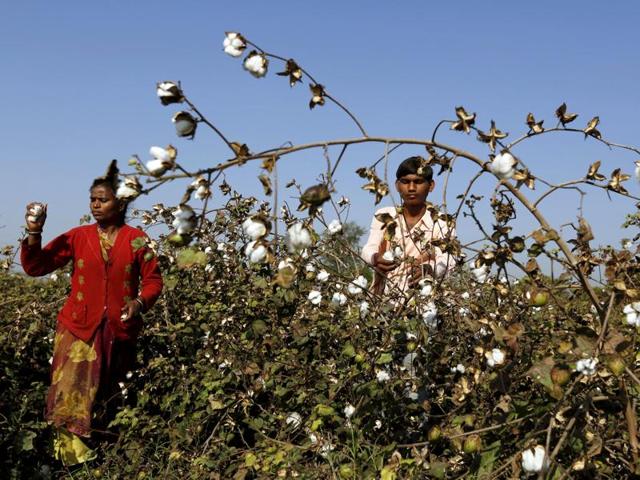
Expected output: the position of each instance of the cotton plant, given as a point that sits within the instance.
(299, 236)
(163, 159)
(495, 357)
(169, 92)
(184, 220)
(503, 165)
(201, 186)
(315, 297)
(587, 366)
(334, 227)
(129, 188)
(185, 124)
(358, 285)
(481, 273)
(256, 251)
(534, 459)
(255, 227)
(339, 299)
(429, 314)
(632, 314)
(234, 44)
(322, 276)
(256, 64)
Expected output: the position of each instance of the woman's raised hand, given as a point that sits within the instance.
(35, 216)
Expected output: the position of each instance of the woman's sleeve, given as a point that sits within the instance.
(37, 261)
(373, 243)
(150, 277)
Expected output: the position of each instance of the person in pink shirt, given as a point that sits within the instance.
(407, 254)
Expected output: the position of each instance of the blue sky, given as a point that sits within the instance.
(78, 89)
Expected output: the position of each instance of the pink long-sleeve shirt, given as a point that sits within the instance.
(414, 242)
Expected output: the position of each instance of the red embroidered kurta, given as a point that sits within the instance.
(98, 288)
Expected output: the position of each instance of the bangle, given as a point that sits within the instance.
(34, 233)
(141, 302)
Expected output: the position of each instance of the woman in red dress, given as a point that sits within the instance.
(115, 278)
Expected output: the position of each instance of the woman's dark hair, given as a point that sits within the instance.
(415, 166)
(110, 180)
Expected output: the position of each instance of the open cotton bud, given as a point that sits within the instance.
(503, 165)
(35, 212)
(349, 410)
(335, 226)
(185, 124)
(169, 92)
(299, 236)
(388, 256)
(323, 276)
(481, 273)
(256, 64)
(309, 267)
(234, 44)
(184, 219)
(364, 308)
(339, 298)
(256, 252)
(587, 366)
(357, 285)
(383, 376)
(430, 315)
(163, 160)
(534, 459)
(294, 420)
(398, 253)
(315, 297)
(129, 188)
(459, 368)
(425, 289)
(202, 188)
(495, 357)
(254, 228)
(632, 312)
(286, 263)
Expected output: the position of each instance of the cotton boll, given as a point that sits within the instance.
(383, 376)
(495, 357)
(315, 297)
(256, 64)
(294, 420)
(323, 276)
(234, 44)
(388, 256)
(256, 252)
(587, 366)
(254, 229)
(335, 227)
(534, 459)
(503, 165)
(339, 298)
(299, 236)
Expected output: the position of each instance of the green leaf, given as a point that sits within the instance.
(188, 257)
(138, 243)
(26, 440)
(487, 459)
(388, 473)
(384, 358)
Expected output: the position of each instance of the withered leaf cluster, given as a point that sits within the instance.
(317, 95)
(492, 137)
(293, 71)
(563, 116)
(593, 174)
(465, 120)
(591, 129)
(389, 225)
(534, 127)
(313, 198)
(375, 185)
(615, 183)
